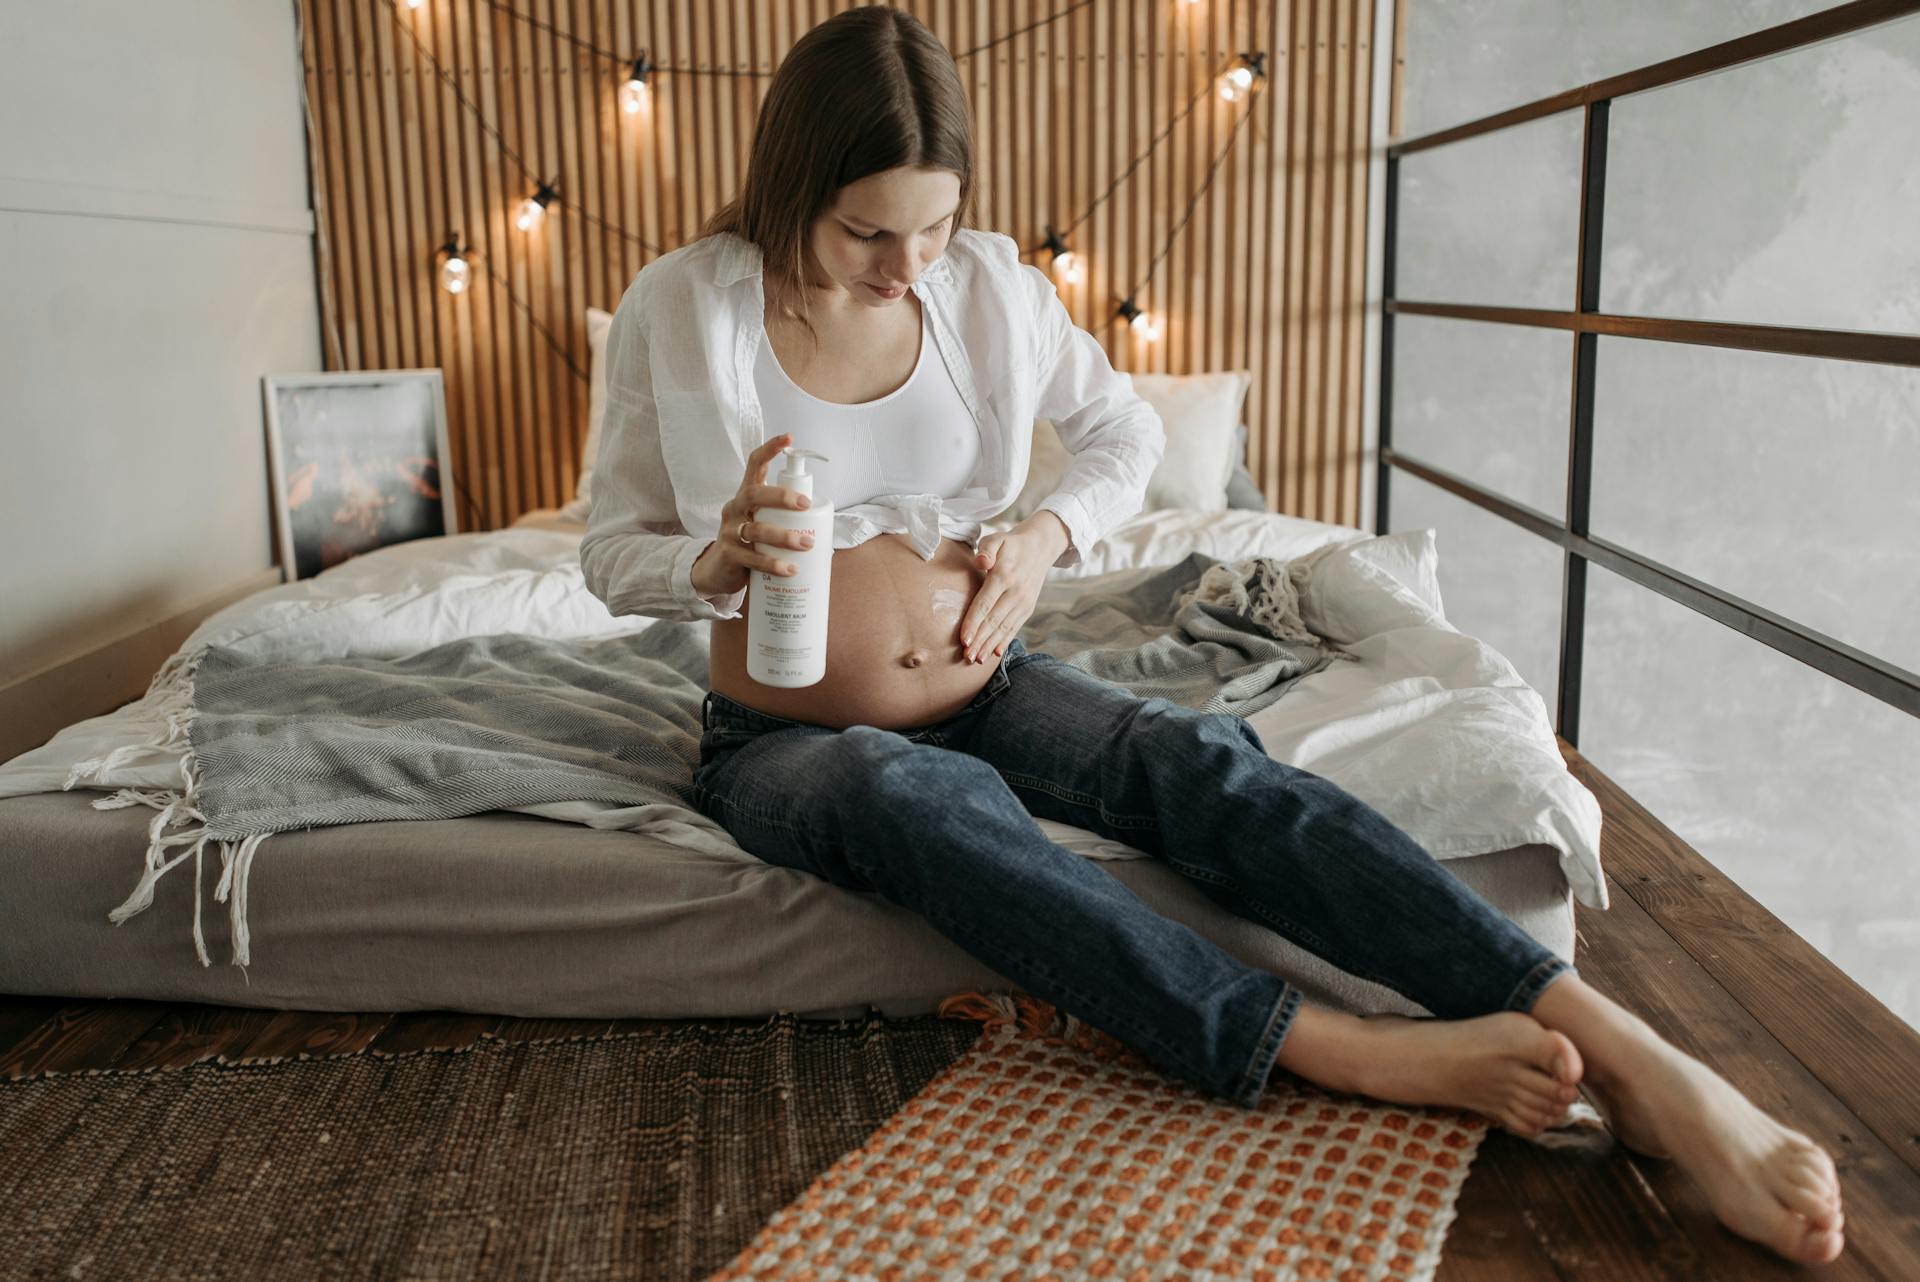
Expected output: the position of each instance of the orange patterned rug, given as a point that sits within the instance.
(1051, 1151)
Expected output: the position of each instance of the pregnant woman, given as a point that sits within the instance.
(842, 304)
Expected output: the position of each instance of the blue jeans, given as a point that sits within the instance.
(940, 819)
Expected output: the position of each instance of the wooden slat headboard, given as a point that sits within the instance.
(1268, 275)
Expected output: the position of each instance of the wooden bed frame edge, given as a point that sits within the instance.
(101, 679)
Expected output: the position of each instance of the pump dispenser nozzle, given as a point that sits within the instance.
(795, 474)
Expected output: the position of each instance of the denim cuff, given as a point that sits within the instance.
(1255, 1080)
(1529, 990)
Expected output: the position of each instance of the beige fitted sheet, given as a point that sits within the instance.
(514, 915)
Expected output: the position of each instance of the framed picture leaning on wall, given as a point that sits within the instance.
(357, 461)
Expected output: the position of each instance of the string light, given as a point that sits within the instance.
(1142, 320)
(635, 94)
(1067, 267)
(455, 273)
(534, 208)
(1238, 80)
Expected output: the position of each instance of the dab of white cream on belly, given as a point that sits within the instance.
(948, 603)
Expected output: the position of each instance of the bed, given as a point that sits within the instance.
(555, 914)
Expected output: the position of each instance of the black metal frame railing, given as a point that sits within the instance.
(1882, 680)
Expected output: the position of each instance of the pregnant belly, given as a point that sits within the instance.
(894, 658)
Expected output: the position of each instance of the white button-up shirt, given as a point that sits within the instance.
(683, 413)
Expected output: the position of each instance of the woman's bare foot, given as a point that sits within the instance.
(1764, 1181)
(1504, 1066)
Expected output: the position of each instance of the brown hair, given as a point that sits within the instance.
(868, 90)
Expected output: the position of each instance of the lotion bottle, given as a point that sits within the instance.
(787, 613)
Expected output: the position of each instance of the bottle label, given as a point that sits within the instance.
(786, 605)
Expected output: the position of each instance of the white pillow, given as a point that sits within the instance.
(1367, 586)
(1200, 413)
(598, 323)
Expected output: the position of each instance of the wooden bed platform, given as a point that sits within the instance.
(1683, 946)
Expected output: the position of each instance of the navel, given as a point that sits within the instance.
(913, 658)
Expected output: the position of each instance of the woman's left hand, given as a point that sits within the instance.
(1016, 563)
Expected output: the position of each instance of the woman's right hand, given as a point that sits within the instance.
(724, 565)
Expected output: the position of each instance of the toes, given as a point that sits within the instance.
(1543, 1090)
(1811, 1157)
(1817, 1181)
(1528, 1117)
(1806, 1182)
(1520, 1124)
(1549, 1090)
(1564, 1061)
(1821, 1245)
(1795, 1238)
(1804, 1154)
(1809, 1200)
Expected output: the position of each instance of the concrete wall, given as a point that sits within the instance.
(156, 248)
(1781, 193)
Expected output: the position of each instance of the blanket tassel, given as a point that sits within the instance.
(236, 860)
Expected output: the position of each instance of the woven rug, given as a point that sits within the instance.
(649, 1155)
(1050, 1151)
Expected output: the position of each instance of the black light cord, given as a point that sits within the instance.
(535, 321)
(625, 59)
(1021, 31)
(480, 118)
(1139, 160)
(1207, 182)
(1056, 240)
(622, 59)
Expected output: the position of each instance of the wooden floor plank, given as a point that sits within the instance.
(1861, 1051)
(293, 1033)
(1492, 1238)
(190, 1034)
(540, 1030)
(1625, 954)
(434, 1030)
(80, 1036)
(1597, 1220)
(19, 1016)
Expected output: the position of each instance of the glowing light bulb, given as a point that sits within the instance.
(534, 207)
(454, 274)
(1066, 266)
(635, 94)
(1238, 80)
(415, 4)
(1146, 326)
(454, 271)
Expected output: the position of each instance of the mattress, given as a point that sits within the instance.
(578, 912)
(515, 915)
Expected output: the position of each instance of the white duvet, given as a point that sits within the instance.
(1432, 728)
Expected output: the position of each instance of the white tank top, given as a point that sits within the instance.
(917, 439)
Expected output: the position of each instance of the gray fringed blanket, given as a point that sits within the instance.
(507, 722)
(1203, 633)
